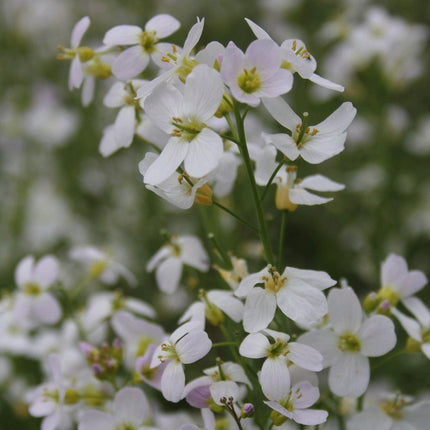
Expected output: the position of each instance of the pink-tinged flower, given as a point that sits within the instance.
(397, 282)
(294, 404)
(291, 191)
(296, 58)
(314, 144)
(297, 292)
(279, 352)
(129, 411)
(145, 46)
(33, 303)
(255, 73)
(349, 342)
(170, 259)
(184, 116)
(186, 345)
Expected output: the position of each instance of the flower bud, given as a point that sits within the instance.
(247, 410)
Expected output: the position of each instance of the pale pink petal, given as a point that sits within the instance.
(130, 63)
(275, 378)
(344, 310)
(47, 309)
(131, 406)
(46, 271)
(193, 37)
(231, 64)
(204, 152)
(280, 83)
(173, 381)
(164, 25)
(168, 161)
(194, 346)
(168, 274)
(255, 345)
(24, 271)
(377, 336)
(265, 55)
(259, 311)
(123, 35)
(349, 375)
(78, 31)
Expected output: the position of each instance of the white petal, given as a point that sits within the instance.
(194, 346)
(310, 416)
(193, 254)
(173, 382)
(255, 345)
(418, 415)
(320, 183)
(280, 83)
(204, 152)
(301, 302)
(122, 35)
(168, 161)
(96, 420)
(24, 271)
(159, 256)
(130, 63)
(78, 31)
(257, 30)
(377, 336)
(323, 341)
(411, 327)
(349, 375)
(168, 274)
(392, 269)
(124, 126)
(305, 356)
(275, 378)
(164, 25)
(307, 397)
(193, 37)
(131, 406)
(320, 148)
(224, 389)
(259, 311)
(227, 303)
(282, 112)
(303, 197)
(370, 418)
(88, 87)
(47, 309)
(413, 282)
(339, 120)
(344, 310)
(76, 75)
(51, 422)
(419, 310)
(265, 164)
(284, 143)
(202, 93)
(116, 95)
(250, 281)
(319, 80)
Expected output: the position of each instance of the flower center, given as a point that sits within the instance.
(249, 80)
(278, 348)
(148, 41)
(98, 69)
(349, 342)
(125, 426)
(300, 51)
(169, 352)
(32, 289)
(186, 130)
(274, 282)
(393, 408)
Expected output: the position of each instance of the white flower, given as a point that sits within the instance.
(314, 144)
(297, 292)
(130, 410)
(184, 116)
(176, 189)
(171, 257)
(397, 283)
(134, 60)
(278, 352)
(294, 404)
(33, 303)
(255, 73)
(102, 265)
(352, 339)
(291, 191)
(418, 329)
(187, 344)
(296, 58)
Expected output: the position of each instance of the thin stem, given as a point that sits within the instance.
(220, 252)
(341, 422)
(228, 343)
(269, 183)
(264, 236)
(360, 403)
(282, 239)
(239, 218)
(394, 354)
(232, 139)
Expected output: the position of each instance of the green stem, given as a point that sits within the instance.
(341, 422)
(228, 343)
(269, 183)
(360, 403)
(282, 239)
(232, 139)
(239, 218)
(394, 354)
(220, 252)
(264, 236)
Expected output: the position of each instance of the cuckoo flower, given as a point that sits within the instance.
(297, 292)
(184, 116)
(144, 44)
(255, 73)
(314, 144)
(349, 342)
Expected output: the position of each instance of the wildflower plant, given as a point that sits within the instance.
(251, 348)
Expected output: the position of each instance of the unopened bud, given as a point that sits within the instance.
(247, 410)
